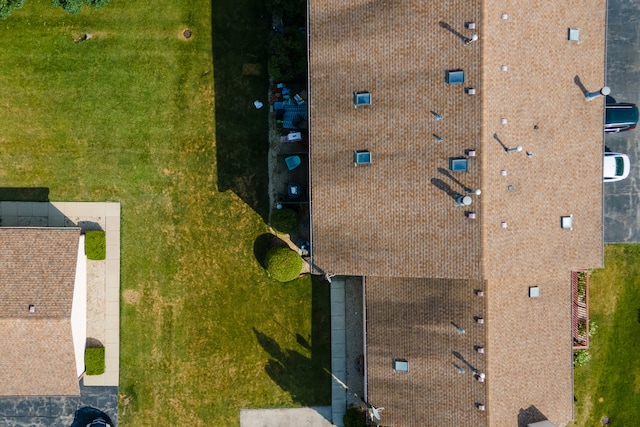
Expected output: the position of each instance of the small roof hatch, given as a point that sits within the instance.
(361, 98)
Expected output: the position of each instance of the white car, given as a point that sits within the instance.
(616, 166)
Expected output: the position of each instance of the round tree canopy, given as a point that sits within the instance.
(283, 264)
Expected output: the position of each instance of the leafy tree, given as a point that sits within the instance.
(289, 10)
(288, 61)
(8, 6)
(354, 417)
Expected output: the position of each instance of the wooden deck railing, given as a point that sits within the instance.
(580, 308)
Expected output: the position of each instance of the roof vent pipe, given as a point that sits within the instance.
(468, 41)
(514, 149)
(463, 200)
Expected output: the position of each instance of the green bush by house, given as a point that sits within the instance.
(94, 360)
(95, 244)
(284, 220)
(354, 417)
(283, 264)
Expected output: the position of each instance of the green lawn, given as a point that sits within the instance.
(609, 385)
(167, 127)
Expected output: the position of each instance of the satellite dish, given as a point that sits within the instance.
(376, 412)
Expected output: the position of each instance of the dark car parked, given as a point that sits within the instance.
(99, 422)
(620, 116)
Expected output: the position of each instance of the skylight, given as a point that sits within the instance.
(566, 222)
(361, 157)
(361, 98)
(458, 164)
(454, 77)
(401, 365)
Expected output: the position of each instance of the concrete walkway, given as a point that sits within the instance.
(338, 351)
(298, 417)
(35, 411)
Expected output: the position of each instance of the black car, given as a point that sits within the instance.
(620, 116)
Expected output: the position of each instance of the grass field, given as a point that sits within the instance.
(167, 127)
(609, 384)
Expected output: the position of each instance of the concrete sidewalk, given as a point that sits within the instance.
(338, 351)
(298, 417)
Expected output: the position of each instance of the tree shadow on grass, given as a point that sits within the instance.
(240, 32)
(263, 244)
(307, 379)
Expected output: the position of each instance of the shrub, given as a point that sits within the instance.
(290, 10)
(581, 357)
(593, 327)
(582, 328)
(74, 6)
(582, 286)
(69, 6)
(283, 264)
(95, 244)
(288, 61)
(94, 360)
(8, 6)
(354, 417)
(284, 220)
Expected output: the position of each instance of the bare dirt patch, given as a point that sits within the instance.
(131, 296)
(185, 34)
(249, 69)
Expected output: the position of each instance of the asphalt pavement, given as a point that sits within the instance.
(622, 198)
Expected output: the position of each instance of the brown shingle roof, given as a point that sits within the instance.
(37, 267)
(529, 348)
(37, 358)
(396, 217)
(414, 319)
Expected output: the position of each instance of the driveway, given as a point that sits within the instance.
(60, 411)
(622, 199)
